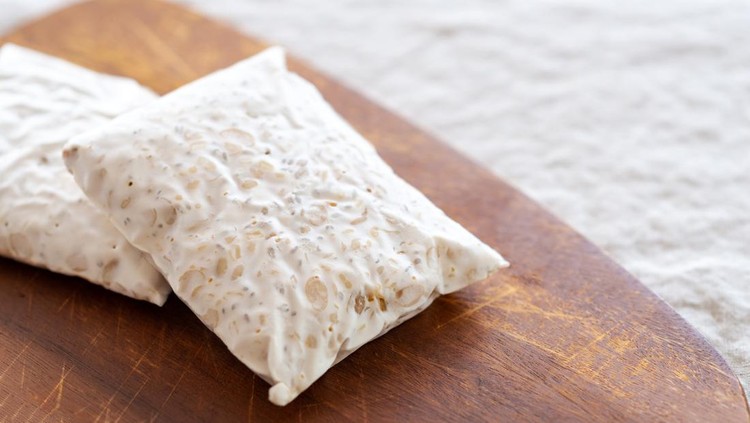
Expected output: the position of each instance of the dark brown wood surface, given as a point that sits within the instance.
(564, 335)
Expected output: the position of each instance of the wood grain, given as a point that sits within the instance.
(564, 335)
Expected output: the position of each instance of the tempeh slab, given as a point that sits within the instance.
(273, 220)
(45, 219)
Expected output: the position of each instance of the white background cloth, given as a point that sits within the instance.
(629, 120)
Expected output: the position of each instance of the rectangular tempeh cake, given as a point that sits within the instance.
(45, 219)
(275, 221)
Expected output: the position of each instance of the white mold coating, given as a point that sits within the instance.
(45, 219)
(275, 221)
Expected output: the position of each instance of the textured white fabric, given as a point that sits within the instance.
(629, 120)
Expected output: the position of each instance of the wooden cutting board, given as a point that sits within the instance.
(564, 335)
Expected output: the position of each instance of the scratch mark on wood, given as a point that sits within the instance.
(117, 391)
(252, 399)
(70, 299)
(591, 344)
(12, 362)
(361, 396)
(122, 413)
(106, 405)
(211, 357)
(716, 368)
(535, 344)
(80, 410)
(681, 375)
(138, 363)
(161, 49)
(382, 398)
(59, 388)
(509, 290)
(532, 309)
(408, 358)
(182, 375)
(106, 415)
(174, 387)
(613, 385)
(31, 295)
(318, 404)
(119, 319)
(162, 335)
(4, 400)
(92, 342)
(13, 417)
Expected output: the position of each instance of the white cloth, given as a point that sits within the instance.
(630, 121)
